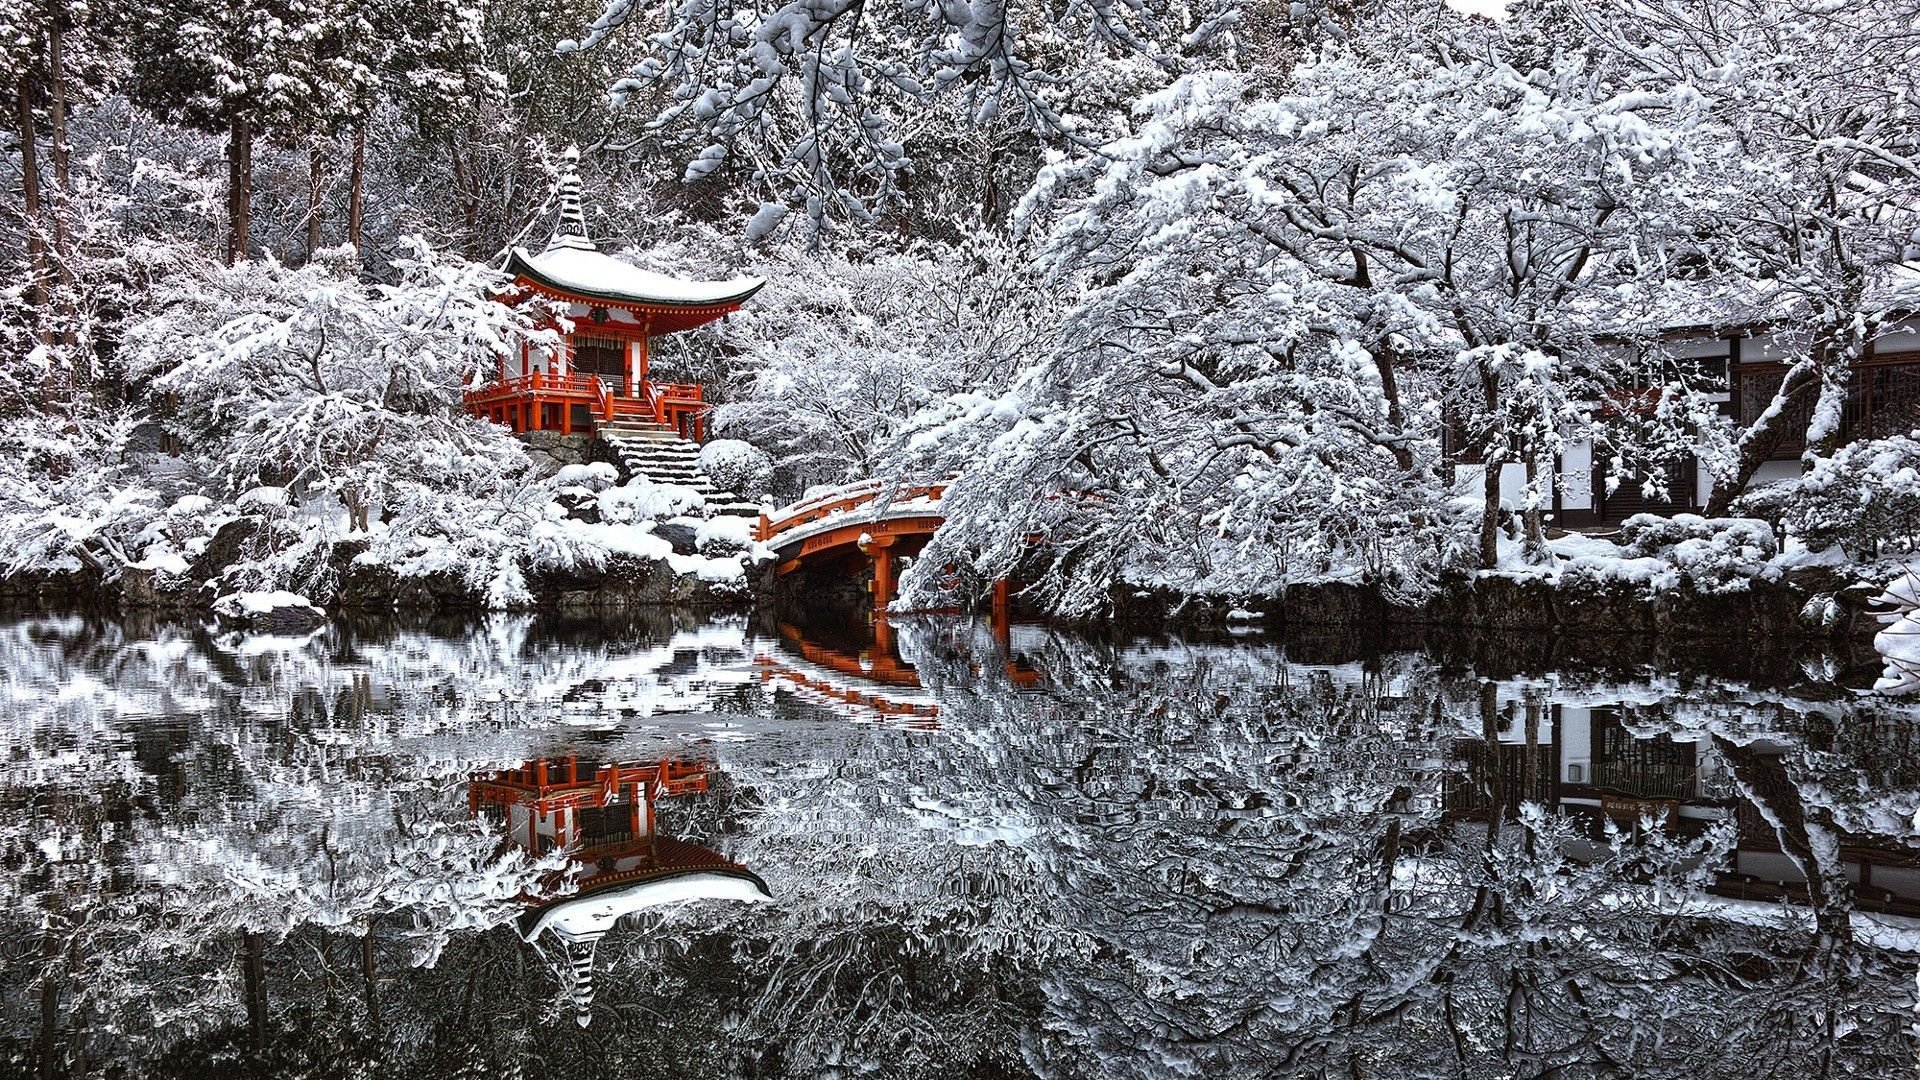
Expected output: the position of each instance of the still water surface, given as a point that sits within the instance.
(672, 847)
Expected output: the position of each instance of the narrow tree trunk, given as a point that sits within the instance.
(239, 188)
(356, 185)
(315, 161)
(368, 979)
(469, 212)
(1384, 360)
(49, 1008)
(62, 154)
(254, 975)
(30, 190)
(1491, 512)
(78, 372)
(1535, 517)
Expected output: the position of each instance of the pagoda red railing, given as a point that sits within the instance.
(545, 401)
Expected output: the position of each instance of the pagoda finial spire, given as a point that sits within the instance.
(570, 230)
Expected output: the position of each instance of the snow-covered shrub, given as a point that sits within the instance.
(737, 466)
(723, 535)
(68, 499)
(1712, 554)
(1865, 499)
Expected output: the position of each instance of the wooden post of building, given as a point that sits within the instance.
(1002, 604)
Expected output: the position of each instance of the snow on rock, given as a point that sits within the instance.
(594, 476)
(263, 496)
(275, 610)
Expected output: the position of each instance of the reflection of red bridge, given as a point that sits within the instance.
(872, 681)
(879, 521)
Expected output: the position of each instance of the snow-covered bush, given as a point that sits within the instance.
(1712, 554)
(723, 535)
(67, 499)
(309, 379)
(737, 466)
(1864, 499)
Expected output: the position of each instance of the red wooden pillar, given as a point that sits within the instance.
(880, 550)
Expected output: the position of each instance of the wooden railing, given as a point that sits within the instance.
(677, 405)
(840, 501)
(542, 382)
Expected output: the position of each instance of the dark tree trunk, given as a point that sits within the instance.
(239, 188)
(1385, 360)
(315, 162)
(49, 1008)
(254, 972)
(62, 154)
(469, 211)
(369, 980)
(1764, 781)
(30, 189)
(1495, 456)
(1490, 516)
(356, 185)
(78, 373)
(1758, 442)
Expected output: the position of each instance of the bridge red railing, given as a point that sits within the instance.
(840, 501)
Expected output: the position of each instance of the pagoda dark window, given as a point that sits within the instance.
(602, 356)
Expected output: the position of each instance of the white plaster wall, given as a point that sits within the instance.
(1576, 476)
(1513, 482)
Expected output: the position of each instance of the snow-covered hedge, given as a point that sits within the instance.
(1712, 554)
(738, 466)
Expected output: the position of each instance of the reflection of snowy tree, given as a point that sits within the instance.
(1157, 858)
(191, 821)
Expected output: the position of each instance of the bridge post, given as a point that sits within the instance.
(882, 555)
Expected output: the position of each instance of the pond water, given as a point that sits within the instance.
(664, 846)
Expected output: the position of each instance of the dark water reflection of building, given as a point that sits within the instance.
(604, 817)
(1588, 763)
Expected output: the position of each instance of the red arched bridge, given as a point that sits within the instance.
(875, 521)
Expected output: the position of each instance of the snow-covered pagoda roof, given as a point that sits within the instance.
(594, 276)
(573, 268)
(593, 914)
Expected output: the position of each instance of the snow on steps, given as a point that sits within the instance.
(658, 453)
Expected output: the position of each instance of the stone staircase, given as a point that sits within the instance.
(653, 450)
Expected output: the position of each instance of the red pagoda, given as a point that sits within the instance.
(613, 310)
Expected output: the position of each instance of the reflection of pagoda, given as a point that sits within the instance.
(603, 815)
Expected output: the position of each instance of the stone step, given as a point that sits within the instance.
(658, 453)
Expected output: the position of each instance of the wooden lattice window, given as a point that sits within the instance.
(602, 356)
